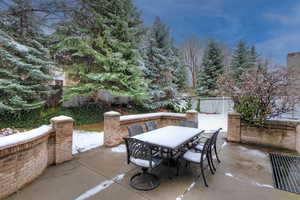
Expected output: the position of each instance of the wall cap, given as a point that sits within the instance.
(112, 114)
(62, 118)
(234, 113)
(192, 111)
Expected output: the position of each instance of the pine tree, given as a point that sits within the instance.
(253, 57)
(212, 67)
(180, 69)
(162, 64)
(241, 59)
(25, 71)
(100, 46)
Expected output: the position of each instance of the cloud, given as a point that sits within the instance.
(279, 46)
(289, 18)
(284, 36)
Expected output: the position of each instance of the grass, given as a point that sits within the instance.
(86, 118)
(35, 119)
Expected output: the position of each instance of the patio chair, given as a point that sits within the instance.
(199, 157)
(135, 129)
(151, 125)
(189, 123)
(213, 137)
(140, 154)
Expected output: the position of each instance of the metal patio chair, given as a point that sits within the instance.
(135, 129)
(151, 125)
(213, 137)
(189, 123)
(199, 157)
(140, 154)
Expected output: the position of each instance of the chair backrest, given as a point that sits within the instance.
(206, 149)
(138, 149)
(189, 123)
(215, 136)
(135, 129)
(151, 125)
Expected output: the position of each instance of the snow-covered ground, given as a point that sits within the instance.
(85, 140)
(213, 121)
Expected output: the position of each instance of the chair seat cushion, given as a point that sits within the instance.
(199, 146)
(193, 156)
(145, 163)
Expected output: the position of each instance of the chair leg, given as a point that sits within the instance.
(203, 176)
(216, 152)
(212, 161)
(178, 166)
(209, 164)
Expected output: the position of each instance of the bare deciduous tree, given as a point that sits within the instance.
(262, 94)
(193, 51)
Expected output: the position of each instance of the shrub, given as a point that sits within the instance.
(261, 94)
(198, 106)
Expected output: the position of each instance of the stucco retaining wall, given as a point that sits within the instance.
(115, 125)
(279, 134)
(24, 156)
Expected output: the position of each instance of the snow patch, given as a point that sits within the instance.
(186, 191)
(20, 47)
(84, 140)
(159, 114)
(24, 136)
(119, 149)
(61, 118)
(210, 122)
(100, 187)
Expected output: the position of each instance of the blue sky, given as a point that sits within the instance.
(273, 26)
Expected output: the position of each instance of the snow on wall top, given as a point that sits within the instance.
(62, 118)
(24, 136)
(159, 114)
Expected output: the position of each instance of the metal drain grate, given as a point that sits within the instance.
(286, 172)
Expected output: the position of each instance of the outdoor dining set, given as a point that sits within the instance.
(169, 145)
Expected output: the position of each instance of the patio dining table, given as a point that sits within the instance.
(170, 138)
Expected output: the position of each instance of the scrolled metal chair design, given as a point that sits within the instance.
(188, 123)
(213, 137)
(135, 129)
(151, 125)
(141, 154)
(199, 157)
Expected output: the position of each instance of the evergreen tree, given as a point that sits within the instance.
(180, 69)
(212, 67)
(25, 71)
(253, 57)
(100, 47)
(241, 59)
(162, 64)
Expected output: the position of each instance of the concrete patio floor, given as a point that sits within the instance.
(245, 173)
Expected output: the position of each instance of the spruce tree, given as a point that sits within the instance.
(180, 69)
(25, 71)
(240, 59)
(212, 67)
(253, 57)
(100, 47)
(162, 64)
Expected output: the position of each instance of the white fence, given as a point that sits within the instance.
(219, 105)
(223, 105)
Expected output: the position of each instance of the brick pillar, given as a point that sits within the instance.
(193, 116)
(112, 129)
(234, 127)
(63, 127)
(298, 138)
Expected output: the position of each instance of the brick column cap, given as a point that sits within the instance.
(112, 114)
(192, 111)
(234, 113)
(62, 118)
